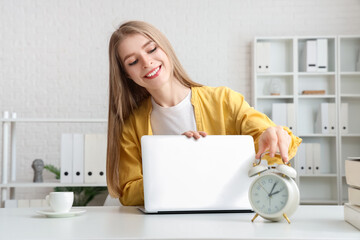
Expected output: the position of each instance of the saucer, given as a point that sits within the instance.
(51, 214)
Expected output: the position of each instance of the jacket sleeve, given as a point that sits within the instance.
(130, 167)
(249, 121)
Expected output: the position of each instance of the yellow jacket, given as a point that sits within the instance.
(218, 111)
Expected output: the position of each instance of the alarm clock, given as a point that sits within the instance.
(273, 194)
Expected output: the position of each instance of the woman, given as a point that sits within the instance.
(150, 93)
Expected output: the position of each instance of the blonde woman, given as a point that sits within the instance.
(150, 93)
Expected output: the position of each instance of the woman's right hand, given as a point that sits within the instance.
(196, 135)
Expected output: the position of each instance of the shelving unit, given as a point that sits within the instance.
(341, 83)
(8, 158)
(49, 184)
(349, 92)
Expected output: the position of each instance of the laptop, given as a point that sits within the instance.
(208, 175)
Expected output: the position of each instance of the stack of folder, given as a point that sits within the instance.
(25, 203)
(83, 158)
(283, 115)
(263, 57)
(314, 57)
(352, 208)
(308, 159)
(326, 118)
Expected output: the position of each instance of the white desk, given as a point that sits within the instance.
(309, 222)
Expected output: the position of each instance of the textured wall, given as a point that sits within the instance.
(53, 53)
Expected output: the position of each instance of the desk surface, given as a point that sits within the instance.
(309, 222)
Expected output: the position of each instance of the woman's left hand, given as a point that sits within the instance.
(195, 134)
(273, 140)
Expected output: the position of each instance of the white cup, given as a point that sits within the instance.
(60, 202)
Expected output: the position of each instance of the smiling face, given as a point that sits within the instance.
(145, 62)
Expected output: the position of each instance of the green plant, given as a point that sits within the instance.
(82, 195)
(53, 169)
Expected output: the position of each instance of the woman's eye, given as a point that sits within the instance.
(133, 63)
(153, 50)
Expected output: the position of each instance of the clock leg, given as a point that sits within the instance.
(256, 215)
(287, 219)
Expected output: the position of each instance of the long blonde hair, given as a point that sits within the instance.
(125, 95)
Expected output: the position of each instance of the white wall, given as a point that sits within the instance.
(54, 63)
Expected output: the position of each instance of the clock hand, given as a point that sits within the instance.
(275, 192)
(270, 202)
(263, 188)
(272, 189)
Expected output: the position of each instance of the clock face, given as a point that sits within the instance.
(269, 194)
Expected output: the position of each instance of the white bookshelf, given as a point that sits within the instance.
(52, 120)
(49, 184)
(8, 158)
(341, 83)
(349, 92)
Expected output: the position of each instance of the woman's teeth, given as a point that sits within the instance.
(153, 72)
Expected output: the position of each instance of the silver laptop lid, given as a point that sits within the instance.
(182, 174)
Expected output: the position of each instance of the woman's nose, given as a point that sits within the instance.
(147, 61)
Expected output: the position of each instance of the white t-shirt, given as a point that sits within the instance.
(173, 120)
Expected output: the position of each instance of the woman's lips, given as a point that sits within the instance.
(153, 73)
